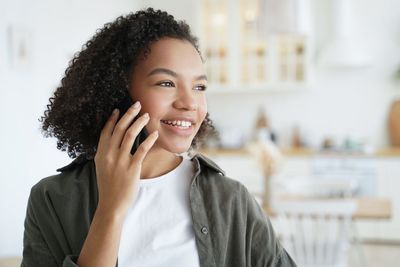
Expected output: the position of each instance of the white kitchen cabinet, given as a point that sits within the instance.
(247, 52)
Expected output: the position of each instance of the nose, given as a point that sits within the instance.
(186, 99)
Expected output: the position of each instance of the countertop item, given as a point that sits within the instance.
(394, 123)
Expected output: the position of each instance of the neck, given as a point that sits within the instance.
(158, 162)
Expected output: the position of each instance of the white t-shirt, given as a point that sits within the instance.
(158, 229)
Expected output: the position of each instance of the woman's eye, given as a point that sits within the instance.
(200, 87)
(166, 84)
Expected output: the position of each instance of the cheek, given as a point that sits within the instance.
(152, 105)
(203, 108)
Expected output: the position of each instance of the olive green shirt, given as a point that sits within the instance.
(230, 227)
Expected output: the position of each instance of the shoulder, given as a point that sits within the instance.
(72, 179)
(59, 211)
(214, 183)
(213, 175)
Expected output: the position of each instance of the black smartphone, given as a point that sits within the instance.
(123, 106)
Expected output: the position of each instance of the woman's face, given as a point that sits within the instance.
(170, 86)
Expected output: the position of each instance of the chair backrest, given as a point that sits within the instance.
(316, 232)
(312, 186)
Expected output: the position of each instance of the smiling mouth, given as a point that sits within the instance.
(183, 131)
(178, 124)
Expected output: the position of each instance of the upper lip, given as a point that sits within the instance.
(193, 121)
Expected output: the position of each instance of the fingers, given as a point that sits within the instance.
(132, 133)
(122, 126)
(144, 147)
(107, 130)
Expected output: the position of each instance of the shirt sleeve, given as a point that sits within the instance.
(266, 249)
(36, 251)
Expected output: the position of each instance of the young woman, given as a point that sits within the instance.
(131, 198)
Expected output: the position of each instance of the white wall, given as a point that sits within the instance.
(340, 101)
(59, 28)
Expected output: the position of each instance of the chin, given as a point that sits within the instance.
(176, 148)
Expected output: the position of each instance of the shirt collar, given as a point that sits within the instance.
(199, 158)
(78, 160)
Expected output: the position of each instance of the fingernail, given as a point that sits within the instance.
(115, 111)
(146, 115)
(155, 133)
(136, 105)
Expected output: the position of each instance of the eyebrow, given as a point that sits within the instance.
(173, 73)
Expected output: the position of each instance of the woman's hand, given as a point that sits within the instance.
(117, 170)
(117, 173)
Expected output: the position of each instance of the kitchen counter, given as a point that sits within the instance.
(375, 208)
(304, 152)
(378, 173)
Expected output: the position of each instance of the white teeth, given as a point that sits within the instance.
(179, 123)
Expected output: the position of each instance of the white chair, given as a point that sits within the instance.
(316, 232)
(313, 187)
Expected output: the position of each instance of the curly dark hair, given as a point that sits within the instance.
(98, 78)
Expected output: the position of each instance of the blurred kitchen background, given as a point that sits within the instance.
(305, 95)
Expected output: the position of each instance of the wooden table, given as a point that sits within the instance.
(373, 208)
(367, 208)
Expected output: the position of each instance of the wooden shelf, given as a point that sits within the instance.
(225, 152)
(304, 152)
(388, 152)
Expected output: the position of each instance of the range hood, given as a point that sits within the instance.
(343, 48)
